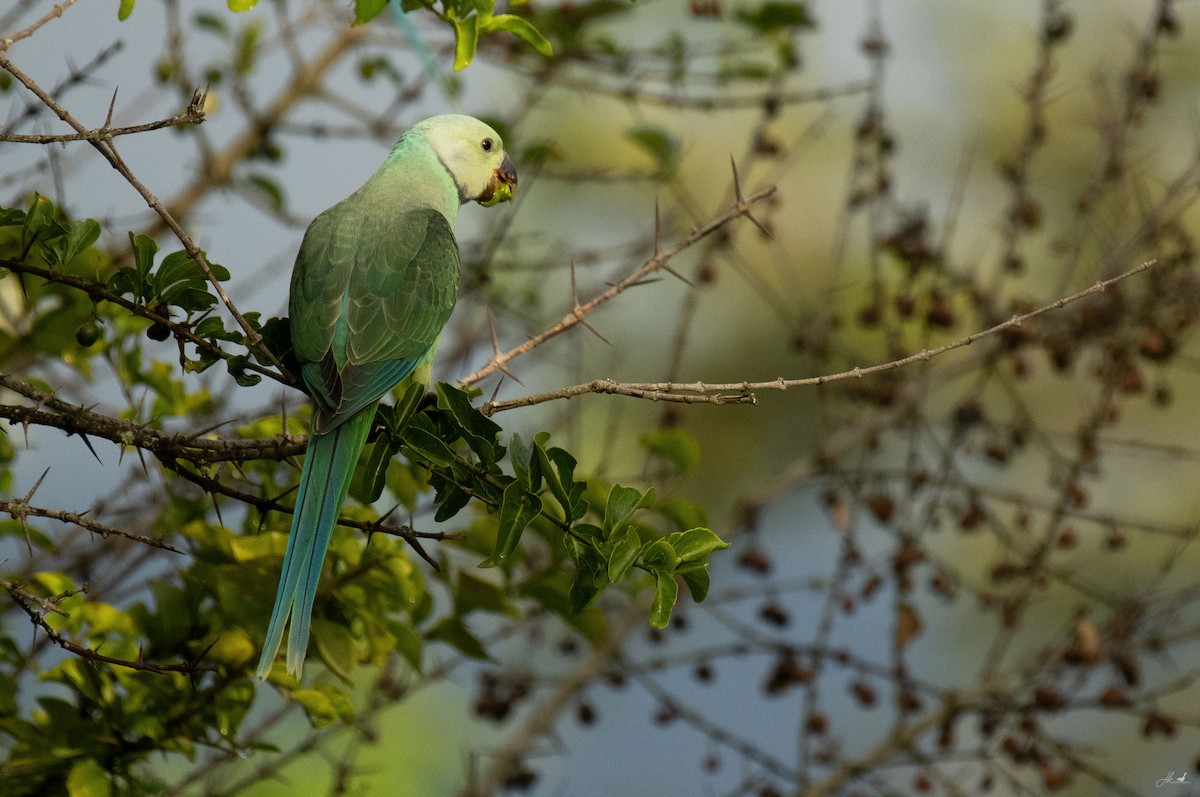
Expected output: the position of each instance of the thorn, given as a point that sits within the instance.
(639, 283)
(216, 508)
(87, 441)
(202, 654)
(761, 227)
(214, 427)
(25, 530)
(35, 486)
(667, 267)
(496, 353)
(199, 100)
(741, 200)
(111, 105)
(574, 286)
(587, 325)
(657, 229)
(577, 308)
(416, 546)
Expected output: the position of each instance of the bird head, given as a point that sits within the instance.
(474, 155)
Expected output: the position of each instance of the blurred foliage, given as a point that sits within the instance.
(966, 574)
(469, 19)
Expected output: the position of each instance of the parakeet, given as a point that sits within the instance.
(373, 285)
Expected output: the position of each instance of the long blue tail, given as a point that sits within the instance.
(324, 481)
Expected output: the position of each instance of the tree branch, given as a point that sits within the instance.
(743, 392)
(26, 601)
(661, 261)
(192, 115)
(54, 13)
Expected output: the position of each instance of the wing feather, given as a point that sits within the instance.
(370, 295)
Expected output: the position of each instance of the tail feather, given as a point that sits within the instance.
(324, 481)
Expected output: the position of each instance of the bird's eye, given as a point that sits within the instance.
(487, 144)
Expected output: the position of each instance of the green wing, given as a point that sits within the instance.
(370, 295)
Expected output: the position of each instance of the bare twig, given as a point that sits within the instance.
(55, 12)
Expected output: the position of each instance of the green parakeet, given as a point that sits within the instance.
(373, 285)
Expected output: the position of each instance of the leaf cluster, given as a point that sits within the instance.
(469, 19)
(169, 672)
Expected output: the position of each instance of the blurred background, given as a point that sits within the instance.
(970, 574)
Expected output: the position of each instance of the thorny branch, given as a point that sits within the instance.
(48, 410)
(171, 450)
(37, 607)
(192, 115)
(661, 261)
(743, 392)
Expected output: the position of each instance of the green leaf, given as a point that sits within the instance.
(367, 10)
(591, 578)
(695, 575)
(659, 555)
(236, 366)
(682, 513)
(335, 645)
(238, 6)
(666, 592)
(777, 15)
(269, 188)
(125, 9)
(466, 37)
(88, 779)
(213, 23)
(450, 499)
(39, 218)
(406, 407)
(477, 429)
(144, 249)
(11, 217)
(324, 704)
(518, 508)
(674, 445)
(408, 644)
(420, 437)
(453, 632)
(623, 502)
(521, 456)
(180, 281)
(472, 592)
(80, 235)
(557, 467)
(658, 144)
(371, 474)
(624, 552)
(695, 544)
(522, 29)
